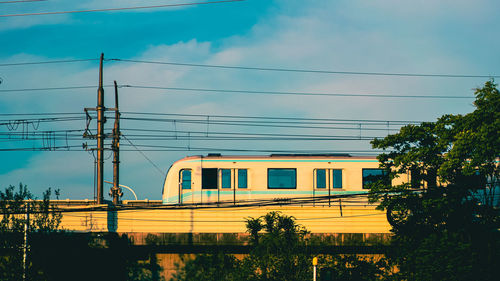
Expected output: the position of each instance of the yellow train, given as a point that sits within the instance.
(218, 178)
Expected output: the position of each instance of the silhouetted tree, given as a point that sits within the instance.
(449, 229)
(43, 219)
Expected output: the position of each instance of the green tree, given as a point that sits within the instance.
(354, 268)
(278, 253)
(43, 219)
(280, 250)
(449, 229)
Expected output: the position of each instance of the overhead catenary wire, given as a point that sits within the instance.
(42, 120)
(120, 8)
(249, 124)
(271, 117)
(226, 149)
(404, 122)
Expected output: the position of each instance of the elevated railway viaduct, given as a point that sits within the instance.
(165, 233)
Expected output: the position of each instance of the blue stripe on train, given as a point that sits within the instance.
(210, 193)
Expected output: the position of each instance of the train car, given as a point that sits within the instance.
(218, 178)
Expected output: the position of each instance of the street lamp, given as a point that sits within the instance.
(121, 185)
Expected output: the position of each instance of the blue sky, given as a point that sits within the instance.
(451, 37)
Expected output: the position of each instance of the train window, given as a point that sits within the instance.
(186, 179)
(225, 178)
(323, 175)
(281, 178)
(209, 178)
(320, 178)
(242, 178)
(337, 179)
(373, 175)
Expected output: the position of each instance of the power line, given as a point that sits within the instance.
(212, 133)
(442, 75)
(242, 92)
(380, 213)
(55, 148)
(271, 122)
(35, 114)
(229, 204)
(20, 1)
(36, 120)
(120, 9)
(404, 122)
(50, 89)
(184, 148)
(295, 93)
(46, 62)
(310, 70)
(247, 124)
(147, 158)
(336, 120)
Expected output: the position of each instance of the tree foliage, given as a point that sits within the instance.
(280, 250)
(14, 204)
(54, 254)
(448, 230)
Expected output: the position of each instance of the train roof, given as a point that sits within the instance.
(284, 156)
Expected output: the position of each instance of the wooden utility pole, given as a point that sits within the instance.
(100, 135)
(116, 192)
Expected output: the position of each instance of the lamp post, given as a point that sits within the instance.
(121, 185)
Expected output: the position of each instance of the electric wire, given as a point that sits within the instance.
(190, 148)
(20, 1)
(295, 93)
(49, 89)
(46, 62)
(120, 8)
(442, 75)
(242, 123)
(307, 70)
(270, 117)
(35, 114)
(229, 204)
(212, 133)
(336, 120)
(233, 221)
(145, 156)
(41, 120)
(218, 91)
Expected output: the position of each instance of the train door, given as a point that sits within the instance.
(227, 185)
(326, 181)
(185, 184)
(209, 185)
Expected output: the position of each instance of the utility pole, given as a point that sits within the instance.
(101, 119)
(116, 192)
